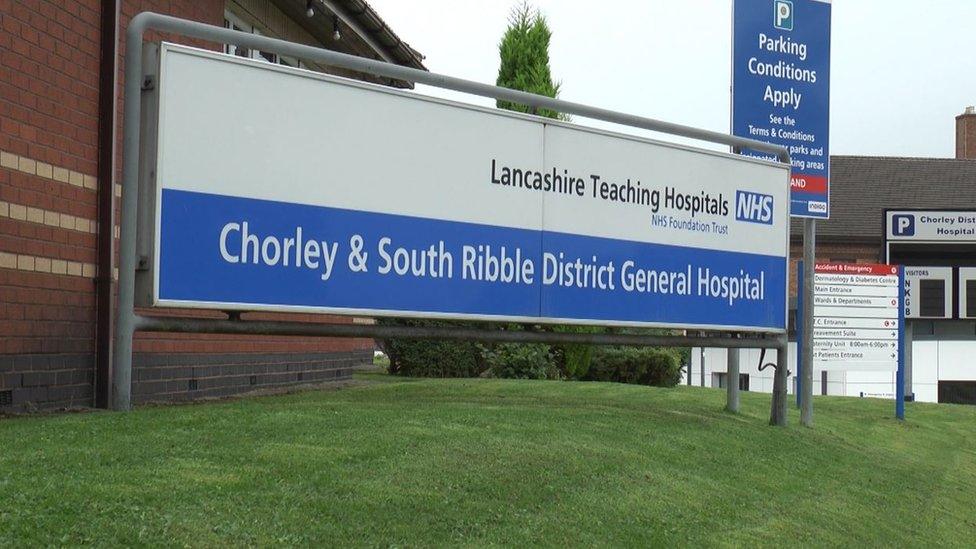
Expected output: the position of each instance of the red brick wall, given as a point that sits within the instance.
(48, 114)
(966, 137)
(49, 62)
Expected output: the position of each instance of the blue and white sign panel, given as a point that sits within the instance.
(930, 225)
(857, 317)
(781, 89)
(287, 190)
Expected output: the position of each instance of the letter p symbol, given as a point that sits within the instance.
(904, 225)
(783, 15)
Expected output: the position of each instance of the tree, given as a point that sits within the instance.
(524, 52)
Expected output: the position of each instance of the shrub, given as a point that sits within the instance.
(638, 365)
(574, 359)
(520, 361)
(422, 358)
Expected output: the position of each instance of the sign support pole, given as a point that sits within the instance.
(732, 385)
(799, 332)
(701, 364)
(779, 404)
(809, 262)
(900, 376)
(908, 337)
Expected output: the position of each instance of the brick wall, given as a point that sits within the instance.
(49, 62)
(48, 159)
(966, 135)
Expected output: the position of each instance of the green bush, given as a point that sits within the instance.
(521, 361)
(574, 359)
(423, 358)
(637, 365)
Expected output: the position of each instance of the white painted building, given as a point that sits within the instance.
(932, 361)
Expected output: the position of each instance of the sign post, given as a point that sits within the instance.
(781, 94)
(900, 377)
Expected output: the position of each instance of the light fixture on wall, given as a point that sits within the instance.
(310, 8)
(336, 35)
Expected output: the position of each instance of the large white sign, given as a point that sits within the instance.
(856, 317)
(288, 190)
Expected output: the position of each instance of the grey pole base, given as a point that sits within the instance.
(777, 413)
(732, 386)
(809, 264)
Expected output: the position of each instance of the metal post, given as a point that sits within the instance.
(799, 333)
(900, 374)
(732, 387)
(909, 337)
(777, 415)
(122, 370)
(107, 133)
(809, 260)
(701, 367)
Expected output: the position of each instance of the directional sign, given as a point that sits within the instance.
(875, 323)
(856, 317)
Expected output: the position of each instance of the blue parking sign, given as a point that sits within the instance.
(781, 90)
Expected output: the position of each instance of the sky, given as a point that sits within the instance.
(901, 70)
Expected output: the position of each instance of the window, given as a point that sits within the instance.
(234, 22)
(931, 298)
(957, 392)
(720, 381)
(743, 382)
(971, 298)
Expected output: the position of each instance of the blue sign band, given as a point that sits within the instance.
(305, 256)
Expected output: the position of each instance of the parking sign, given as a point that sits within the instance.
(781, 90)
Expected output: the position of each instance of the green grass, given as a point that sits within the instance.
(480, 462)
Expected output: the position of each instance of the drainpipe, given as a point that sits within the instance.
(108, 71)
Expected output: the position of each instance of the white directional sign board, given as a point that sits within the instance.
(856, 317)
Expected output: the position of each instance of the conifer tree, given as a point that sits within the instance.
(524, 52)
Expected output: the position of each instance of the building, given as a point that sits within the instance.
(60, 78)
(943, 327)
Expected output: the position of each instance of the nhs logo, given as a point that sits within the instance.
(754, 207)
(903, 225)
(783, 15)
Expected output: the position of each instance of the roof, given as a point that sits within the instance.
(382, 33)
(862, 187)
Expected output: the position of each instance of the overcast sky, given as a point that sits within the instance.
(902, 69)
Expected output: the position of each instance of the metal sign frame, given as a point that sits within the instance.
(134, 213)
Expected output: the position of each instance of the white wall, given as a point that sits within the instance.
(931, 361)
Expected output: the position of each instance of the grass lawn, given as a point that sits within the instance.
(478, 462)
